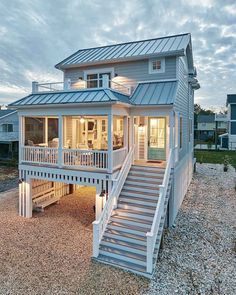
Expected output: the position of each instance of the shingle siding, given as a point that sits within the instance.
(129, 73)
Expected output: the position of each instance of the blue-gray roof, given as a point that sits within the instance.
(82, 96)
(231, 98)
(5, 112)
(171, 45)
(155, 93)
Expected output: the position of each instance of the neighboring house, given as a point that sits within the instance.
(8, 134)
(122, 121)
(209, 125)
(228, 140)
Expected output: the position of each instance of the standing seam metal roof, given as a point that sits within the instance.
(155, 93)
(165, 45)
(82, 96)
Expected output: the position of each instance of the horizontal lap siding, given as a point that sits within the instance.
(129, 73)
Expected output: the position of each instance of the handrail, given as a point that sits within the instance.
(152, 234)
(99, 225)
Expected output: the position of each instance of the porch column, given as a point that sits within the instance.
(110, 142)
(25, 197)
(99, 202)
(60, 142)
(126, 131)
(21, 137)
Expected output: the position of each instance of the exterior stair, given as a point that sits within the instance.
(124, 241)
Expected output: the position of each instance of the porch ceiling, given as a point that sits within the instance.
(70, 97)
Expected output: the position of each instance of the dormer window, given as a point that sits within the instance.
(156, 66)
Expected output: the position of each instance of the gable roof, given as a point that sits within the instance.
(170, 45)
(155, 93)
(70, 97)
(206, 118)
(4, 113)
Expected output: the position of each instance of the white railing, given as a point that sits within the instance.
(85, 158)
(152, 235)
(39, 155)
(77, 85)
(99, 226)
(119, 157)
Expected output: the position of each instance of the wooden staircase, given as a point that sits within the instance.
(124, 242)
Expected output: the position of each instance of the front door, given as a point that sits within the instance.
(156, 138)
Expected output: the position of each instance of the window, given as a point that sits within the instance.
(156, 66)
(180, 132)
(233, 111)
(7, 127)
(94, 77)
(233, 128)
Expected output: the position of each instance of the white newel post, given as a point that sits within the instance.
(95, 238)
(28, 199)
(60, 143)
(105, 81)
(149, 266)
(35, 86)
(110, 143)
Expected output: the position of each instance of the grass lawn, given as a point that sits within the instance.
(215, 157)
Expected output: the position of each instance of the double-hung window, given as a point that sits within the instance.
(7, 127)
(95, 79)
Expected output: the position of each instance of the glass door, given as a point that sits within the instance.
(156, 139)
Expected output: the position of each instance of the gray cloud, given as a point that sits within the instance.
(35, 35)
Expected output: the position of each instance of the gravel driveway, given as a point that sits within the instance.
(50, 253)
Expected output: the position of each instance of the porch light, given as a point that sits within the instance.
(82, 120)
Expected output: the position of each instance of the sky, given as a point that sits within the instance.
(37, 34)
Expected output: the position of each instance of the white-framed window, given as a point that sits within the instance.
(94, 77)
(7, 127)
(156, 65)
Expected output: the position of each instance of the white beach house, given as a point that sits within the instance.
(121, 121)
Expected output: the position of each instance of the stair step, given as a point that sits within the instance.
(137, 207)
(136, 230)
(126, 237)
(141, 201)
(143, 179)
(143, 183)
(148, 168)
(145, 174)
(123, 264)
(123, 255)
(134, 214)
(126, 246)
(131, 221)
(139, 188)
(137, 192)
(144, 196)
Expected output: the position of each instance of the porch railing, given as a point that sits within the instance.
(152, 235)
(77, 85)
(119, 157)
(39, 155)
(99, 226)
(85, 158)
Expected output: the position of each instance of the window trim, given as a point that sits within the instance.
(7, 124)
(159, 71)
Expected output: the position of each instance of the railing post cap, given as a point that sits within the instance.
(149, 234)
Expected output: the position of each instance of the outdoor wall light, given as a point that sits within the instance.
(82, 120)
(21, 180)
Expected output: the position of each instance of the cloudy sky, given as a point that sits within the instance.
(37, 34)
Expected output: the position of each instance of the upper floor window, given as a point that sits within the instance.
(94, 78)
(7, 128)
(156, 66)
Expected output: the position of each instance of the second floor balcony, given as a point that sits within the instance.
(94, 82)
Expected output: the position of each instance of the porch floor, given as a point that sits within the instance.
(161, 164)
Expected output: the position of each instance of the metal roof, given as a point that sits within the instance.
(81, 96)
(171, 45)
(206, 118)
(231, 98)
(155, 93)
(3, 113)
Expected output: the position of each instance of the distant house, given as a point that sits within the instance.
(229, 139)
(8, 134)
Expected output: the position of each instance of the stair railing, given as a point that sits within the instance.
(152, 235)
(99, 225)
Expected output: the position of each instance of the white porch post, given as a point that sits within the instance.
(99, 201)
(110, 142)
(21, 137)
(25, 196)
(60, 143)
(126, 131)
(46, 131)
(28, 198)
